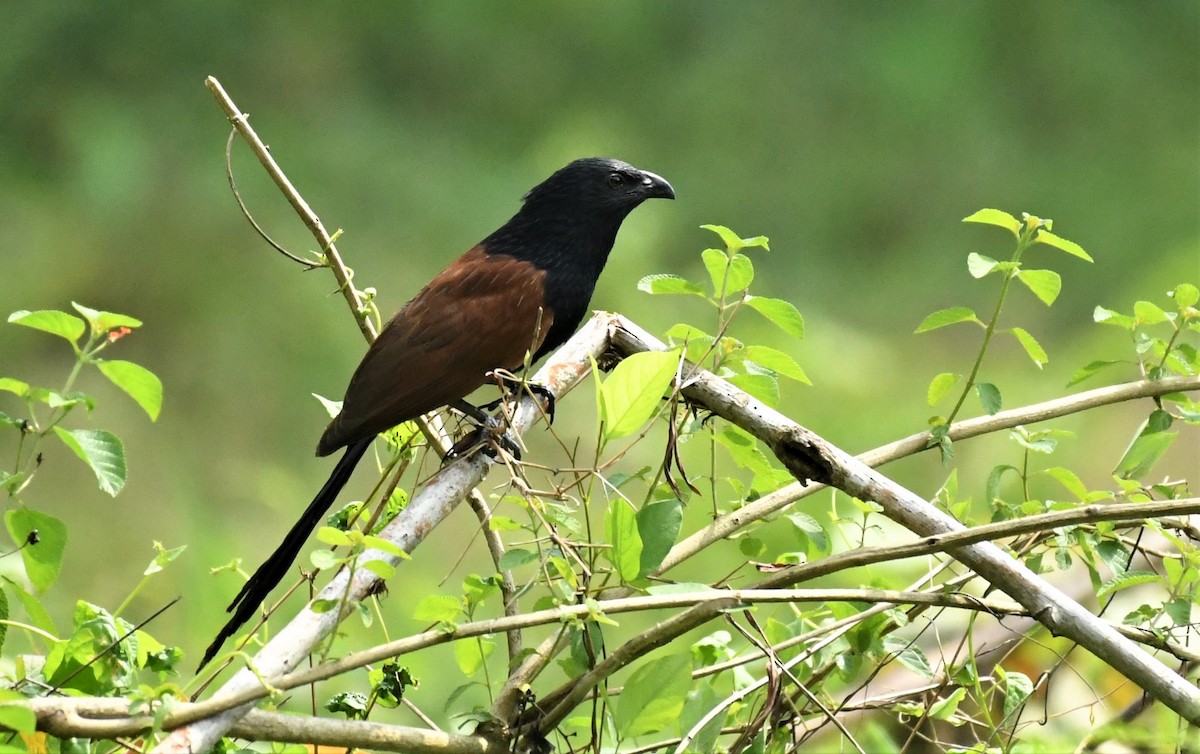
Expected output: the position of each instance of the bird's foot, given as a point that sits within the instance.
(492, 438)
(539, 391)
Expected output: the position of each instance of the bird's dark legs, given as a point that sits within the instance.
(509, 385)
(492, 425)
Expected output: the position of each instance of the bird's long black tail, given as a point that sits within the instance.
(272, 571)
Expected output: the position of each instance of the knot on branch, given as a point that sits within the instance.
(805, 458)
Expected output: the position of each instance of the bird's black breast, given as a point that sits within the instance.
(568, 294)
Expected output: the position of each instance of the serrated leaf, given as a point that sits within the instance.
(939, 386)
(1109, 317)
(438, 608)
(777, 361)
(995, 217)
(137, 381)
(515, 558)
(668, 285)
(42, 539)
(324, 559)
(989, 396)
(944, 317)
(1126, 580)
(631, 393)
(1045, 284)
(1068, 479)
(58, 323)
(1091, 369)
(1149, 313)
(764, 387)
(1062, 244)
(102, 322)
(1185, 295)
(102, 451)
(740, 271)
(1017, 689)
(1031, 346)
(380, 568)
(782, 313)
(625, 544)
(653, 697)
(980, 266)
(910, 657)
(733, 241)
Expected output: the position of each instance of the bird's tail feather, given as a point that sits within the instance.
(272, 571)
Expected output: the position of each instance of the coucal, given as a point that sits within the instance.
(522, 290)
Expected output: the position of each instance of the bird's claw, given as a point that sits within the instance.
(492, 438)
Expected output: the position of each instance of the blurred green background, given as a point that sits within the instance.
(855, 135)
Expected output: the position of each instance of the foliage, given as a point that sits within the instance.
(596, 525)
(101, 654)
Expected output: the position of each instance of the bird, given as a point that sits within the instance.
(522, 291)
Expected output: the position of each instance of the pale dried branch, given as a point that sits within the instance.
(810, 457)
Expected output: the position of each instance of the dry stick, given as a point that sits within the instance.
(431, 430)
(727, 524)
(92, 717)
(810, 457)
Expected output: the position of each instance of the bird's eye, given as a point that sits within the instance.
(615, 180)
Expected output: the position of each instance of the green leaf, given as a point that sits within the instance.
(324, 559)
(632, 392)
(14, 386)
(1046, 237)
(777, 361)
(1148, 313)
(910, 657)
(663, 284)
(380, 568)
(515, 558)
(52, 321)
(1031, 346)
(625, 545)
(1151, 442)
(331, 535)
(1126, 580)
(944, 709)
(764, 387)
(1045, 284)
(989, 396)
(16, 713)
(1068, 479)
(1109, 317)
(1092, 368)
(811, 532)
(939, 386)
(439, 608)
(782, 313)
(658, 526)
(102, 322)
(470, 655)
(995, 217)
(979, 266)
(653, 697)
(944, 317)
(1017, 689)
(139, 382)
(38, 615)
(741, 273)
(100, 450)
(42, 539)
(740, 270)
(734, 242)
(1185, 295)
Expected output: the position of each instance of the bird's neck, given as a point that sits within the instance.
(557, 242)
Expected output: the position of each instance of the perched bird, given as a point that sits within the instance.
(522, 290)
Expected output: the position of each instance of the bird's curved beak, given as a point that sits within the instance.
(656, 187)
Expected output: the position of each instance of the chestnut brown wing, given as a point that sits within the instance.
(481, 313)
